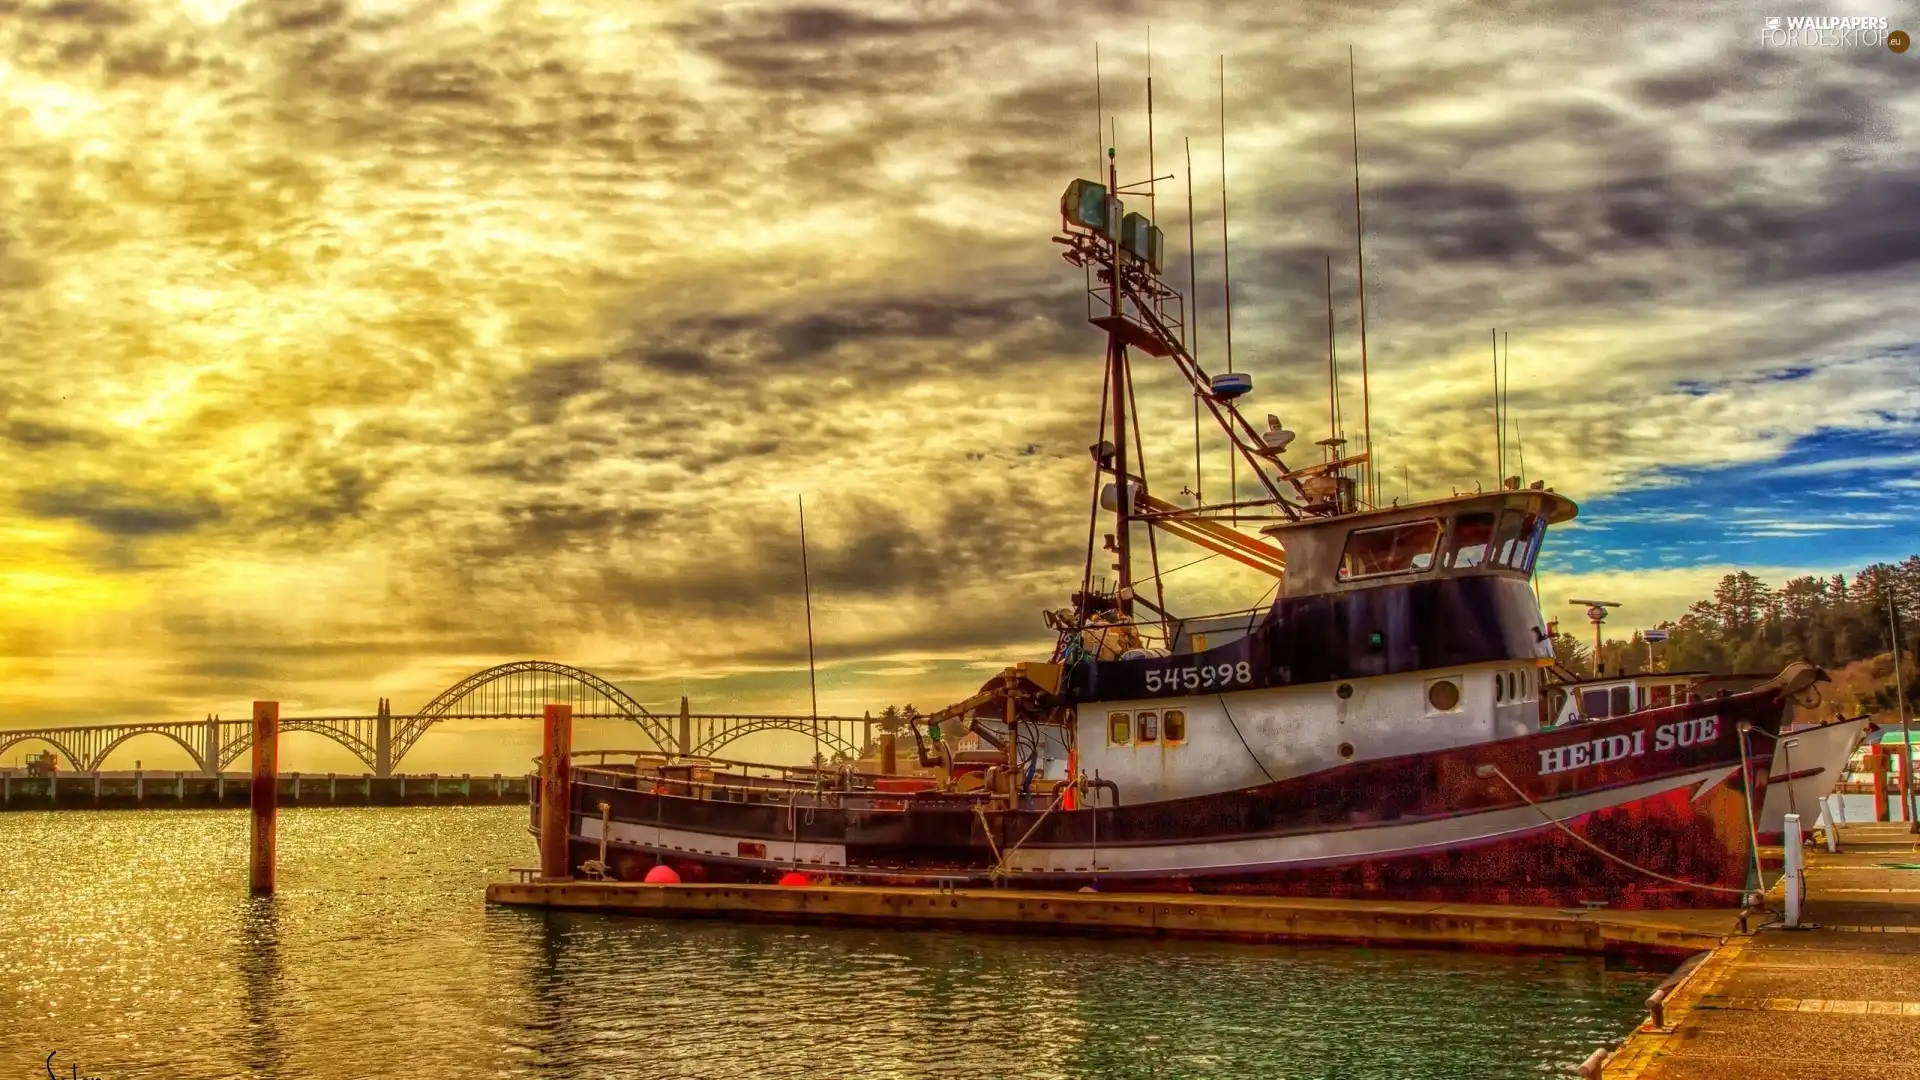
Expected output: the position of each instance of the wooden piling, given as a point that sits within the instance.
(556, 773)
(265, 797)
(1877, 766)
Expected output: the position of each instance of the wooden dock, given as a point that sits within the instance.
(1481, 926)
(1839, 999)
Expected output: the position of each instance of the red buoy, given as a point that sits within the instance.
(795, 877)
(662, 874)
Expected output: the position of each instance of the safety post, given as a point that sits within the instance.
(265, 797)
(556, 795)
(1796, 869)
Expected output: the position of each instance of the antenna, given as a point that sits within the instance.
(1099, 111)
(1193, 319)
(1333, 376)
(806, 581)
(1226, 272)
(1360, 268)
(1506, 392)
(1519, 446)
(1151, 201)
(1499, 449)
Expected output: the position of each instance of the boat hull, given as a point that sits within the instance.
(1806, 769)
(1650, 810)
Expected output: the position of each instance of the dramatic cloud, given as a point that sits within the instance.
(346, 348)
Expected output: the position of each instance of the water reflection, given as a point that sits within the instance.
(148, 957)
(261, 986)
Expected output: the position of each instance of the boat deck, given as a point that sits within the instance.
(1841, 999)
(1482, 926)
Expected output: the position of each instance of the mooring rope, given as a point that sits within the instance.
(1556, 823)
(999, 870)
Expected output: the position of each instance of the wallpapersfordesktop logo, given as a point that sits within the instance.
(1831, 32)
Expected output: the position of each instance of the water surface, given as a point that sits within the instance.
(132, 949)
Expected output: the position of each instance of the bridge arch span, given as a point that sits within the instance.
(832, 740)
(100, 757)
(10, 739)
(523, 687)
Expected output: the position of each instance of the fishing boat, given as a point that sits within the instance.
(1375, 730)
(1807, 768)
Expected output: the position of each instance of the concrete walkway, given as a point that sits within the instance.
(1839, 1001)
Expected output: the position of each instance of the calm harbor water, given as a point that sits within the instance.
(132, 949)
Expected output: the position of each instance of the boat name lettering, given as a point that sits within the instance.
(1693, 732)
(1203, 677)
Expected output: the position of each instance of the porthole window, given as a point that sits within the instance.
(1344, 691)
(1119, 728)
(1443, 695)
(1146, 727)
(1176, 725)
(1346, 750)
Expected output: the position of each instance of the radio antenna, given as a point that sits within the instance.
(1499, 448)
(1193, 320)
(1506, 397)
(1360, 269)
(1333, 376)
(806, 581)
(1226, 273)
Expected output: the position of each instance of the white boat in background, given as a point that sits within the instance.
(1807, 767)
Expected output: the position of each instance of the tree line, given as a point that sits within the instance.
(1846, 625)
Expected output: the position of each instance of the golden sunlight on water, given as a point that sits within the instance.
(131, 948)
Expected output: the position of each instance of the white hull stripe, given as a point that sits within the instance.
(778, 852)
(1351, 845)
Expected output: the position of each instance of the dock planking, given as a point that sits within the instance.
(1838, 999)
(1254, 919)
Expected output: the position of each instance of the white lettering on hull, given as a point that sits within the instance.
(1681, 733)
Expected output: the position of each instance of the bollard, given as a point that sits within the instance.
(1836, 807)
(556, 796)
(266, 790)
(1796, 869)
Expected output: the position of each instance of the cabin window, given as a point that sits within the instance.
(1513, 686)
(1510, 543)
(1528, 551)
(1640, 697)
(1622, 700)
(1119, 728)
(1405, 548)
(1146, 727)
(1176, 725)
(1499, 687)
(1556, 701)
(1443, 695)
(1472, 536)
(1594, 704)
(1662, 696)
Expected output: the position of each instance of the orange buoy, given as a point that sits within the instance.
(662, 874)
(795, 877)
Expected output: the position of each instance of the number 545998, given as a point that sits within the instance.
(1203, 677)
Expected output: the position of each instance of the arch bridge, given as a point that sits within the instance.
(516, 691)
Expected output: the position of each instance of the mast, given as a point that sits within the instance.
(1117, 376)
(1360, 269)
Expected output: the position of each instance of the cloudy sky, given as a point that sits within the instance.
(348, 348)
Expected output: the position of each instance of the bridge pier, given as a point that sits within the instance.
(210, 747)
(383, 740)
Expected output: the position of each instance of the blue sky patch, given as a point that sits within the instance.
(1835, 500)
